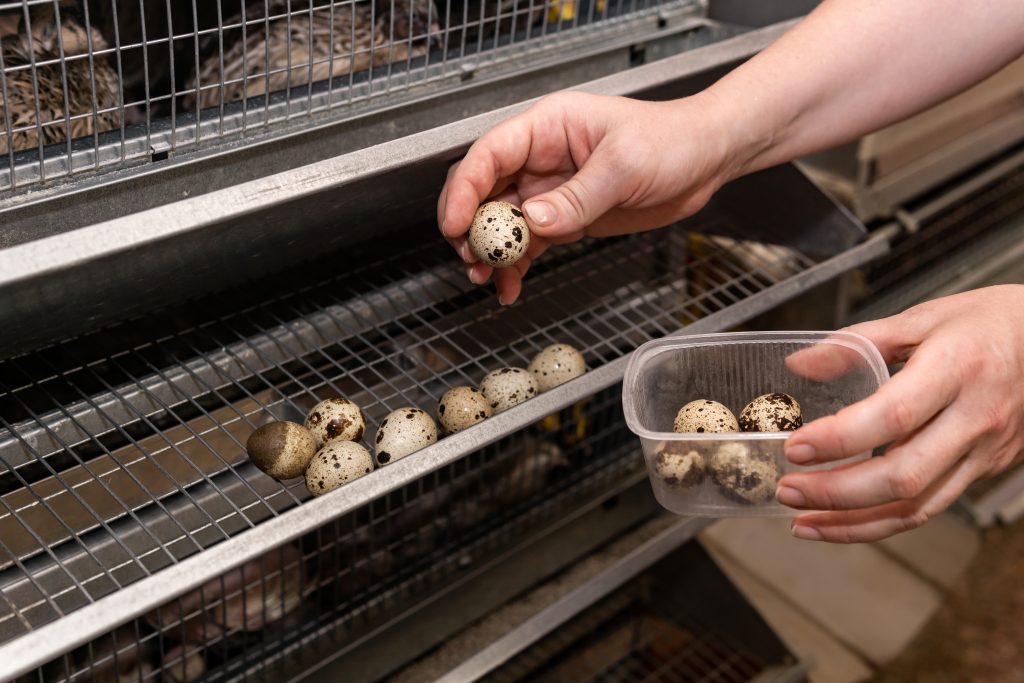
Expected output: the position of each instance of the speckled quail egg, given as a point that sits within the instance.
(742, 476)
(704, 416)
(679, 465)
(402, 432)
(462, 407)
(507, 387)
(281, 449)
(498, 235)
(335, 464)
(556, 364)
(771, 413)
(335, 419)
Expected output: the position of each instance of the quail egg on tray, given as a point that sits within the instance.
(462, 407)
(402, 432)
(336, 464)
(498, 235)
(508, 387)
(555, 365)
(281, 449)
(335, 419)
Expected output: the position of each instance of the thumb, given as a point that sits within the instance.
(571, 207)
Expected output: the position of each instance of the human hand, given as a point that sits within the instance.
(954, 414)
(581, 164)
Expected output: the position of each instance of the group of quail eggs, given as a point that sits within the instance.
(741, 473)
(326, 448)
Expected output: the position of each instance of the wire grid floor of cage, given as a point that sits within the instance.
(641, 633)
(96, 84)
(118, 464)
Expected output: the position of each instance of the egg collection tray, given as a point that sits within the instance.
(735, 473)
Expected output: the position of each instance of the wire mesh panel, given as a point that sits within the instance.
(122, 451)
(651, 630)
(93, 84)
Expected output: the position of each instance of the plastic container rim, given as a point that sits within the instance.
(648, 350)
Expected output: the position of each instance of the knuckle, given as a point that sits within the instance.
(573, 192)
(900, 417)
(914, 519)
(907, 481)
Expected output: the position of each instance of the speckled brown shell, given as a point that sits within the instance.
(508, 387)
(402, 432)
(335, 419)
(679, 466)
(336, 464)
(556, 365)
(462, 407)
(704, 417)
(741, 476)
(771, 413)
(281, 449)
(498, 235)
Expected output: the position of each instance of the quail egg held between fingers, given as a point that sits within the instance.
(281, 449)
(705, 417)
(498, 235)
(775, 412)
(508, 387)
(335, 419)
(555, 365)
(402, 432)
(462, 407)
(335, 464)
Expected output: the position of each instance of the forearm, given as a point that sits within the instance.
(854, 66)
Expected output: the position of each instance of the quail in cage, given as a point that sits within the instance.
(45, 93)
(289, 44)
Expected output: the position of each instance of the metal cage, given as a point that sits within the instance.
(101, 85)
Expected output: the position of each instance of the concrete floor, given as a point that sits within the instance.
(941, 604)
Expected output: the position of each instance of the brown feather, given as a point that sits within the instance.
(18, 107)
(334, 45)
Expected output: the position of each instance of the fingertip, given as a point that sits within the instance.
(479, 274)
(806, 533)
(540, 213)
(800, 453)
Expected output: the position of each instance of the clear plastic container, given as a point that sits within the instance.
(735, 474)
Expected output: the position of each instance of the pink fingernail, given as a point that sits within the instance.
(807, 533)
(540, 213)
(800, 453)
(791, 497)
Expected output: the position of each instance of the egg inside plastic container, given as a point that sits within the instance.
(733, 474)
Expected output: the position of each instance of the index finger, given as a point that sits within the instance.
(901, 405)
(497, 155)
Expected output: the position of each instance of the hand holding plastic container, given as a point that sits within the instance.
(731, 473)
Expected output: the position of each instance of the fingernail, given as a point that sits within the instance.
(501, 301)
(801, 452)
(469, 274)
(794, 498)
(540, 213)
(443, 222)
(807, 533)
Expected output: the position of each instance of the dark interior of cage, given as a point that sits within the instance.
(169, 63)
(680, 621)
